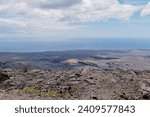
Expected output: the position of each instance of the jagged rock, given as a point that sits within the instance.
(3, 77)
(9, 83)
(88, 83)
(146, 97)
(85, 70)
(145, 85)
(39, 80)
(94, 98)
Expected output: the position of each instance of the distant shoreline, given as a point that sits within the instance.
(75, 50)
(76, 44)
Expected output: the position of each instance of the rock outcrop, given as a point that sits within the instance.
(3, 77)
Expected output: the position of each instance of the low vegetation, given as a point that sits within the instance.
(31, 90)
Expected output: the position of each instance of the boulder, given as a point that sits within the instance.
(3, 77)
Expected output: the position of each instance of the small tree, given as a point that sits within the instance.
(25, 69)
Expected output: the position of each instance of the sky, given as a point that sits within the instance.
(74, 19)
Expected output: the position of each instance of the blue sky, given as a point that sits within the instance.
(76, 19)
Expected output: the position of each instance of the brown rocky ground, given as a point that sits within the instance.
(81, 83)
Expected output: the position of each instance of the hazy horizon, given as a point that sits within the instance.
(88, 44)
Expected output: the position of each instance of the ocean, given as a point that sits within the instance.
(72, 44)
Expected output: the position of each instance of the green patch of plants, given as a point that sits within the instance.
(120, 95)
(65, 94)
(52, 92)
(31, 90)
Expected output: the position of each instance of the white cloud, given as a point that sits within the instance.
(90, 10)
(146, 10)
(47, 4)
(45, 15)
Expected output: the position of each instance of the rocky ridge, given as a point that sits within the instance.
(80, 83)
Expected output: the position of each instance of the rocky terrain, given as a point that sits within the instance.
(96, 75)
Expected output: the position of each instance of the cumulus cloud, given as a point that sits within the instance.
(146, 10)
(98, 10)
(48, 4)
(60, 14)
